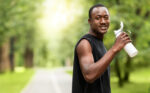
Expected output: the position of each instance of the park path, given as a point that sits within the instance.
(49, 81)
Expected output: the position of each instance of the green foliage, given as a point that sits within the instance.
(26, 19)
(19, 20)
(70, 37)
(42, 54)
(71, 34)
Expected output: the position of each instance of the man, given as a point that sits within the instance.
(91, 61)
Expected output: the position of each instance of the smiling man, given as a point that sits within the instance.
(91, 71)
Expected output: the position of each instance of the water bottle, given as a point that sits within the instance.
(129, 47)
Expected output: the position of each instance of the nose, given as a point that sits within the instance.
(102, 20)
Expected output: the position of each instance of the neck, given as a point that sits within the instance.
(100, 36)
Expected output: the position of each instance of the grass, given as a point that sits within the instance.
(131, 87)
(69, 72)
(139, 82)
(14, 82)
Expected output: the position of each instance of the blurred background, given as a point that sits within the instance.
(37, 38)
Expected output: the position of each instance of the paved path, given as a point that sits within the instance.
(49, 81)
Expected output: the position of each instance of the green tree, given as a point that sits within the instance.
(18, 26)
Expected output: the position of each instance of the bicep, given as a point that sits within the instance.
(85, 56)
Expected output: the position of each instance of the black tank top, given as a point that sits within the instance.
(102, 84)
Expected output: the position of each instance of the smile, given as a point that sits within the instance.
(103, 27)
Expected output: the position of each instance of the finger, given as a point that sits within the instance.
(126, 38)
(128, 41)
(121, 34)
(124, 35)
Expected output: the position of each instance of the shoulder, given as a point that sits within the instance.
(84, 46)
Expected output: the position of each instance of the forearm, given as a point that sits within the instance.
(97, 69)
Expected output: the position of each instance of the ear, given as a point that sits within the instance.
(89, 21)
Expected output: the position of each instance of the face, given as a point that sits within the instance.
(99, 20)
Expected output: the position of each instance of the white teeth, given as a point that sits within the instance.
(103, 27)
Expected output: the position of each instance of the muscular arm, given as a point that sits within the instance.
(92, 70)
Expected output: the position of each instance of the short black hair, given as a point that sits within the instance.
(94, 6)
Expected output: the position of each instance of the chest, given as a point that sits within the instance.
(98, 50)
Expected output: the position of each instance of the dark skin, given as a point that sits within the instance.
(99, 24)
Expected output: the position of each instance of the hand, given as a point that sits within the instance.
(121, 41)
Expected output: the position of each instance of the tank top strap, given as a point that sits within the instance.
(87, 37)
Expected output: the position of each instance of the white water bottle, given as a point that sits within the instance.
(129, 48)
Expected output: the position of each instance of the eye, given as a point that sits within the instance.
(98, 17)
(106, 17)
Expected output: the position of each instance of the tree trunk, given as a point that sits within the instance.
(4, 57)
(118, 72)
(127, 69)
(1, 61)
(11, 56)
(118, 2)
(28, 58)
